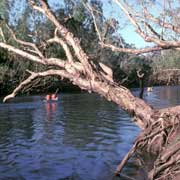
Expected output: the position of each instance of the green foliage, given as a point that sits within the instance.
(169, 59)
(81, 24)
(139, 63)
(3, 70)
(79, 13)
(3, 9)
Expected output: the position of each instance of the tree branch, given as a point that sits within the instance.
(161, 23)
(131, 50)
(34, 76)
(134, 22)
(25, 43)
(160, 43)
(151, 29)
(64, 45)
(74, 42)
(89, 8)
(2, 35)
(48, 61)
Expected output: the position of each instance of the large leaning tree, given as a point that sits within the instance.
(160, 127)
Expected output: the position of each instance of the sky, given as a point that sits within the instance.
(132, 37)
(113, 10)
(128, 32)
(110, 10)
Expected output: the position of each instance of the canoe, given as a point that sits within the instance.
(51, 100)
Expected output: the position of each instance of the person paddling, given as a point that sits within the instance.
(52, 97)
(48, 97)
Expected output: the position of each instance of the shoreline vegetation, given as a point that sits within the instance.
(169, 77)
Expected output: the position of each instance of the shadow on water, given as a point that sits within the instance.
(79, 137)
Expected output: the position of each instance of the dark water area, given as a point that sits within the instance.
(79, 137)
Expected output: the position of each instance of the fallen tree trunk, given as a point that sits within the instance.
(160, 128)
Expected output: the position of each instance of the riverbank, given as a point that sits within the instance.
(13, 72)
(166, 77)
(50, 85)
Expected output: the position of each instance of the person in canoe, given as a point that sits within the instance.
(52, 97)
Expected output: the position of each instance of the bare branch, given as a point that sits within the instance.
(71, 67)
(107, 74)
(64, 45)
(151, 29)
(133, 51)
(125, 159)
(49, 61)
(156, 38)
(33, 4)
(139, 74)
(134, 22)
(136, 25)
(74, 42)
(2, 35)
(25, 43)
(89, 8)
(129, 15)
(22, 53)
(34, 76)
(162, 23)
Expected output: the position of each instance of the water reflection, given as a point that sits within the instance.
(162, 96)
(50, 109)
(79, 137)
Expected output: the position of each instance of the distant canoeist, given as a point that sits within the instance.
(52, 97)
(149, 89)
(48, 97)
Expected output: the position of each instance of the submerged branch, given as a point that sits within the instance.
(25, 43)
(125, 159)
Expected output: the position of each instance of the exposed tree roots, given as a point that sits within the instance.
(161, 138)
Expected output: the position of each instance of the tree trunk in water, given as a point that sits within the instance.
(141, 86)
(141, 83)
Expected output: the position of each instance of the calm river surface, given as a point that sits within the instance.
(80, 137)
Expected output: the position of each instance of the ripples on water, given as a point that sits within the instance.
(80, 137)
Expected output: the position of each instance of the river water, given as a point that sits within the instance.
(80, 137)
